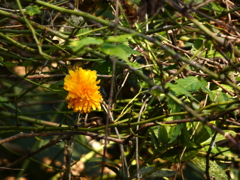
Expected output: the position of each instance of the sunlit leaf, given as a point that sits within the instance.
(191, 83)
(202, 135)
(119, 38)
(215, 171)
(162, 135)
(219, 137)
(103, 68)
(176, 131)
(10, 64)
(153, 172)
(154, 137)
(32, 10)
(115, 50)
(128, 50)
(217, 96)
(174, 154)
(79, 44)
(4, 103)
(179, 90)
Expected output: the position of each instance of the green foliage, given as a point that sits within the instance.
(179, 90)
(122, 51)
(76, 46)
(114, 50)
(215, 170)
(186, 87)
(32, 10)
(152, 172)
(191, 83)
(120, 38)
(214, 7)
(219, 96)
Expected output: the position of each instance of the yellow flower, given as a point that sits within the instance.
(83, 92)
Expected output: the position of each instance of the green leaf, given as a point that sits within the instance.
(173, 105)
(198, 43)
(217, 96)
(153, 172)
(3, 102)
(57, 85)
(238, 78)
(128, 50)
(202, 135)
(32, 10)
(154, 137)
(205, 90)
(170, 67)
(27, 63)
(173, 155)
(79, 44)
(162, 135)
(214, 7)
(224, 151)
(215, 171)
(235, 173)
(191, 83)
(119, 38)
(1, 61)
(229, 88)
(219, 137)
(10, 64)
(115, 50)
(179, 90)
(218, 8)
(185, 138)
(136, 65)
(103, 68)
(195, 1)
(58, 88)
(176, 131)
(122, 51)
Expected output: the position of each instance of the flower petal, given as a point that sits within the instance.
(83, 92)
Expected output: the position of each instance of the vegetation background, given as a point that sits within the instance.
(169, 72)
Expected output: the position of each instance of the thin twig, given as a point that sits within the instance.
(110, 99)
(143, 108)
(67, 159)
(146, 125)
(158, 89)
(31, 153)
(229, 92)
(208, 155)
(39, 76)
(93, 135)
(124, 160)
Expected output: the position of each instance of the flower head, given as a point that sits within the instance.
(83, 92)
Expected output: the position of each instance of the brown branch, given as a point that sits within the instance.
(29, 154)
(212, 118)
(37, 76)
(230, 93)
(93, 135)
(219, 40)
(198, 57)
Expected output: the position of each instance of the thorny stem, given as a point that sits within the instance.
(31, 153)
(175, 55)
(33, 32)
(153, 40)
(71, 133)
(158, 89)
(50, 126)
